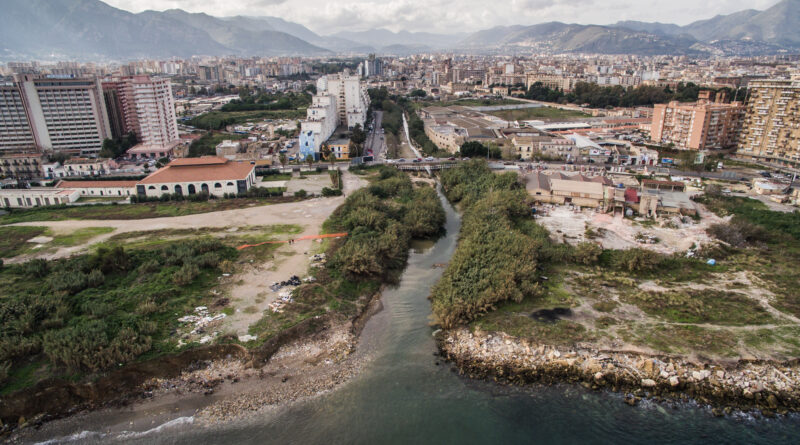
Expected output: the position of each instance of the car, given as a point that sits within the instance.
(401, 160)
(417, 160)
(430, 159)
(451, 158)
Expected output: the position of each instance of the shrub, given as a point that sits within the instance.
(5, 367)
(328, 192)
(95, 278)
(300, 194)
(71, 282)
(587, 253)
(186, 274)
(638, 260)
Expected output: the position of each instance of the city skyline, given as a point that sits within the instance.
(439, 16)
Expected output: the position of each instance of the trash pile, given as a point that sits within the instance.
(646, 238)
(201, 319)
(294, 280)
(283, 299)
(318, 260)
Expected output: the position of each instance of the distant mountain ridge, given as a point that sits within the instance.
(91, 29)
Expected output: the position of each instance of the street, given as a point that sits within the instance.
(376, 143)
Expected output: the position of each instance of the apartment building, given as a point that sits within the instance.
(341, 99)
(771, 127)
(144, 105)
(697, 126)
(53, 113)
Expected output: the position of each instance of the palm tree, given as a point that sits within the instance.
(282, 159)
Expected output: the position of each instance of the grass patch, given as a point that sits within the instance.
(546, 113)
(134, 211)
(682, 339)
(79, 236)
(14, 240)
(701, 306)
(605, 305)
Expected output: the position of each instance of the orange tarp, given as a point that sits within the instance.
(329, 235)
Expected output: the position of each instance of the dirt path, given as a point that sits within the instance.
(311, 213)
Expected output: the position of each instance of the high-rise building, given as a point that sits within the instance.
(771, 128)
(144, 105)
(53, 113)
(697, 126)
(341, 99)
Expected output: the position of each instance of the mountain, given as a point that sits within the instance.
(384, 38)
(91, 29)
(561, 37)
(777, 27)
(336, 44)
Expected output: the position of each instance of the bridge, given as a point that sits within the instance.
(429, 167)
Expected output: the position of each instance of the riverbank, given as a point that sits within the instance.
(215, 386)
(771, 387)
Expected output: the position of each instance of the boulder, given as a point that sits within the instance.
(673, 381)
(648, 383)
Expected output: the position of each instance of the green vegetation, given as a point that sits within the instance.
(597, 96)
(762, 241)
(381, 220)
(706, 306)
(499, 247)
(474, 149)
(261, 100)
(469, 102)
(218, 120)
(547, 113)
(97, 311)
(114, 148)
(14, 240)
(207, 144)
(132, 211)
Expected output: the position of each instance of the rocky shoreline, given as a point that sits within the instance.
(773, 388)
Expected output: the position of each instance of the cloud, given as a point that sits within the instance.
(331, 16)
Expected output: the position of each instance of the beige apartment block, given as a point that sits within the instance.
(771, 127)
(696, 126)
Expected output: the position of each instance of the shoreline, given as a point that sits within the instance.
(225, 382)
(771, 387)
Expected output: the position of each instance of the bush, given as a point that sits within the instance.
(638, 260)
(186, 274)
(328, 192)
(739, 233)
(300, 194)
(586, 253)
(95, 278)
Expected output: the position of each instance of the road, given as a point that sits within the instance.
(376, 142)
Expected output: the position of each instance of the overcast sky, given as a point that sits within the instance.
(329, 16)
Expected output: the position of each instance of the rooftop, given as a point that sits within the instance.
(206, 168)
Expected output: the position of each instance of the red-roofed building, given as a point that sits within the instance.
(100, 188)
(207, 174)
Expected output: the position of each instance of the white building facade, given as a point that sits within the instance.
(341, 99)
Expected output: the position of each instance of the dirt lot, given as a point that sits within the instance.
(616, 232)
(249, 289)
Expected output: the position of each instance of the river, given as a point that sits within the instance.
(405, 394)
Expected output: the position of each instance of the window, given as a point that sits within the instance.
(152, 187)
(218, 186)
(230, 184)
(164, 188)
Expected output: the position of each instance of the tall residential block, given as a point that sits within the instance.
(144, 105)
(341, 99)
(53, 113)
(771, 128)
(697, 126)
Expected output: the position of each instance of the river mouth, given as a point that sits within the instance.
(406, 394)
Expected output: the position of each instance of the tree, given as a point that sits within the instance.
(310, 160)
(325, 152)
(353, 149)
(418, 93)
(358, 136)
(282, 159)
(110, 149)
(471, 149)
